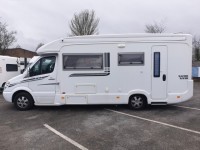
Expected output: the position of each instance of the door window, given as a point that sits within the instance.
(156, 64)
(44, 66)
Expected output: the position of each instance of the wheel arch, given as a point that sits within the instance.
(3, 84)
(21, 91)
(140, 92)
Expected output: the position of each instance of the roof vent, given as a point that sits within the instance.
(121, 45)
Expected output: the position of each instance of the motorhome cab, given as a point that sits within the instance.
(9, 68)
(134, 69)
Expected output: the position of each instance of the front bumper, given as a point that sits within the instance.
(7, 96)
(1, 89)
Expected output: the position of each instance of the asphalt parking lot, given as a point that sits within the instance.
(102, 127)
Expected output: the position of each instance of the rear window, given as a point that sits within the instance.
(130, 59)
(11, 67)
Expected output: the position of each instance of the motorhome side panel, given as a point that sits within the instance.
(180, 84)
(97, 85)
(2, 72)
(9, 68)
(12, 68)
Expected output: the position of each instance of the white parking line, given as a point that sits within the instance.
(186, 107)
(65, 137)
(154, 121)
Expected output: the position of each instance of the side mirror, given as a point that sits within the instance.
(28, 74)
(22, 71)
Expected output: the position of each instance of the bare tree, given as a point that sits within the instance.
(196, 48)
(17, 46)
(39, 45)
(155, 28)
(84, 23)
(7, 38)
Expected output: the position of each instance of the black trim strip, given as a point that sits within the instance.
(88, 74)
(50, 84)
(107, 59)
(13, 84)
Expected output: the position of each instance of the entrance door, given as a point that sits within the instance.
(159, 72)
(42, 80)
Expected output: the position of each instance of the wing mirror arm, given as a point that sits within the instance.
(28, 74)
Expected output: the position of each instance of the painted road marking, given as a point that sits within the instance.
(154, 121)
(65, 137)
(186, 107)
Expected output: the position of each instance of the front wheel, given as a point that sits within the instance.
(137, 102)
(23, 101)
(3, 85)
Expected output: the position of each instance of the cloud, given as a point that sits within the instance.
(43, 20)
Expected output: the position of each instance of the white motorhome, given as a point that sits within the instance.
(9, 68)
(134, 69)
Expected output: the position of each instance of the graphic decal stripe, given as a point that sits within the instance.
(88, 74)
(50, 84)
(28, 80)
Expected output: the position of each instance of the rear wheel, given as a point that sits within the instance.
(23, 101)
(137, 102)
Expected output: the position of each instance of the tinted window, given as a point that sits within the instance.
(47, 65)
(126, 59)
(83, 61)
(11, 67)
(43, 66)
(35, 70)
(156, 64)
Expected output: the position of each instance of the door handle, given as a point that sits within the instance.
(51, 78)
(164, 77)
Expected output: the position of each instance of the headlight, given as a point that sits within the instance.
(6, 85)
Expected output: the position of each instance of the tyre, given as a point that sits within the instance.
(3, 85)
(137, 102)
(23, 101)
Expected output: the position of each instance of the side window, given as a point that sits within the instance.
(82, 61)
(47, 65)
(44, 66)
(35, 70)
(130, 59)
(11, 67)
(156, 66)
